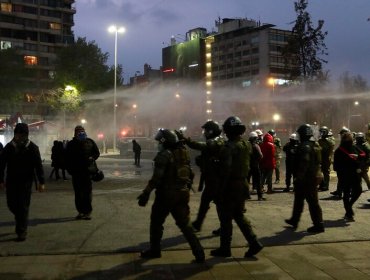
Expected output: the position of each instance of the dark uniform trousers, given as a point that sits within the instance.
(82, 187)
(256, 179)
(325, 169)
(18, 201)
(176, 203)
(231, 206)
(307, 191)
(351, 192)
(210, 187)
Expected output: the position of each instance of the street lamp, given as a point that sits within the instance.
(350, 114)
(116, 30)
(271, 81)
(276, 117)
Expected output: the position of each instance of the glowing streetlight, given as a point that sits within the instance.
(271, 81)
(83, 121)
(350, 113)
(276, 117)
(116, 30)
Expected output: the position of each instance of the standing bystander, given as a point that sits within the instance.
(81, 154)
(136, 148)
(21, 159)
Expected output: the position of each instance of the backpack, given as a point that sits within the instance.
(183, 173)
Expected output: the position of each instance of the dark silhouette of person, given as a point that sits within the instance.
(81, 154)
(136, 148)
(21, 159)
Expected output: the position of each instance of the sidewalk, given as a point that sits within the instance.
(347, 260)
(108, 246)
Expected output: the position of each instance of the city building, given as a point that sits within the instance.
(149, 76)
(241, 54)
(247, 53)
(37, 29)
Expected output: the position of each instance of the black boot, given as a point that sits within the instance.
(150, 254)
(221, 252)
(196, 226)
(200, 257)
(291, 222)
(318, 228)
(216, 232)
(254, 248)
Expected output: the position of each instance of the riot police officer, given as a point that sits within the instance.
(363, 145)
(255, 171)
(290, 150)
(235, 159)
(209, 166)
(171, 179)
(327, 144)
(308, 175)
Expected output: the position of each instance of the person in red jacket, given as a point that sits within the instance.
(268, 162)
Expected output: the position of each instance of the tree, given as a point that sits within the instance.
(306, 45)
(83, 64)
(12, 75)
(352, 84)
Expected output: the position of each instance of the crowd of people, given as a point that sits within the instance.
(227, 164)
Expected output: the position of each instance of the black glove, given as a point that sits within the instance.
(180, 135)
(143, 199)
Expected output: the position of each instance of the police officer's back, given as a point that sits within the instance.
(235, 160)
(209, 163)
(171, 179)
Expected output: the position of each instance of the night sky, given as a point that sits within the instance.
(150, 23)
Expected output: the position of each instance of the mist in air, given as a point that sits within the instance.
(142, 110)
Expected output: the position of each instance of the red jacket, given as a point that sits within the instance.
(268, 150)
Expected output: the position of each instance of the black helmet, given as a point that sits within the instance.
(97, 176)
(272, 132)
(305, 131)
(324, 131)
(166, 137)
(360, 137)
(344, 130)
(234, 126)
(212, 129)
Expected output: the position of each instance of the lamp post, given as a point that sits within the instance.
(350, 115)
(276, 117)
(114, 29)
(271, 81)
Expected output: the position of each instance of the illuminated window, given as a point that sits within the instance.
(6, 7)
(56, 26)
(5, 45)
(30, 60)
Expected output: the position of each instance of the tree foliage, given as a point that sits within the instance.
(306, 45)
(84, 65)
(352, 84)
(12, 75)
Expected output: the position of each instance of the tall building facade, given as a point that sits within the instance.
(242, 54)
(37, 29)
(246, 52)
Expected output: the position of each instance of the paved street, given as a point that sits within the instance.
(59, 247)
